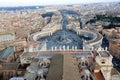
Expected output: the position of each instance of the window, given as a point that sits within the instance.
(103, 61)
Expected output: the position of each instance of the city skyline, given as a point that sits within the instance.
(41, 40)
(13, 3)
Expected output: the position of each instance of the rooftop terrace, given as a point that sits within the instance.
(56, 68)
(63, 67)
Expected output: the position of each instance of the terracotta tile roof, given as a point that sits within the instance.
(95, 53)
(22, 33)
(34, 44)
(90, 59)
(99, 76)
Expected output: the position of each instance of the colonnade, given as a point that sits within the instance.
(61, 48)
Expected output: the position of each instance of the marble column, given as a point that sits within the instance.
(68, 47)
(52, 48)
(55, 48)
(64, 47)
(72, 47)
(60, 48)
(75, 47)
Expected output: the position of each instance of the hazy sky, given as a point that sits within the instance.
(5, 3)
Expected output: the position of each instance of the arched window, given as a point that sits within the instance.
(102, 61)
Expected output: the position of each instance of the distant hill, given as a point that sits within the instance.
(21, 7)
